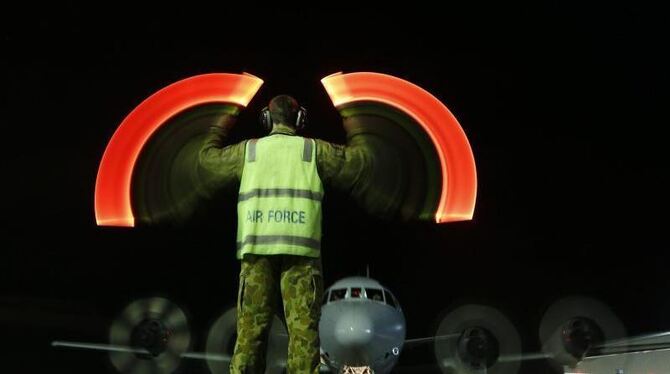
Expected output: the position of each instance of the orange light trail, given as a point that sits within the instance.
(459, 173)
(112, 187)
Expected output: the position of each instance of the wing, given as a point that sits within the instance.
(410, 343)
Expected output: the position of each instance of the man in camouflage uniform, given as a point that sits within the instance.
(279, 226)
(301, 291)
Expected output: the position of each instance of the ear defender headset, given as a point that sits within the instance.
(266, 120)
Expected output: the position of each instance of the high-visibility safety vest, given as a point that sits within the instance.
(279, 204)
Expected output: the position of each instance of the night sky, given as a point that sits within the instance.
(562, 106)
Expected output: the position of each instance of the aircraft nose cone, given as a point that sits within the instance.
(353, 330)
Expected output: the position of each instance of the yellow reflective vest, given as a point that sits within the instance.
(279, 202)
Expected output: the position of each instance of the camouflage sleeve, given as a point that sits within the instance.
(342, 167)
(220, 164)
(364, 169)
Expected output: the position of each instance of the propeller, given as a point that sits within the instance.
(575, 326)
(484, 340)
(157, 332)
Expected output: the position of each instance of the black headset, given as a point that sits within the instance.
(266, 119)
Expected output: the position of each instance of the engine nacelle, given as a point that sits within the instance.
(576, 326)
(478, 348)
(157, 334)
(473, 338)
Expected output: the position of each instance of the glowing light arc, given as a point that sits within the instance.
(112, 187)
(459, 174)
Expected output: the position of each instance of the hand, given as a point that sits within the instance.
(233, 109)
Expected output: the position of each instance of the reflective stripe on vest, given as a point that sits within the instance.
(291, 192)
(279, 202)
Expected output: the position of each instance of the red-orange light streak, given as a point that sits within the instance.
(112, 187)
(459, 173)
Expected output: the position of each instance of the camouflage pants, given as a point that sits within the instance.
(300, 281)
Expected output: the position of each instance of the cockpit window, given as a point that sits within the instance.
(325, 298)
(337, 294)
(374, 294)
(390, 300)
(356, 292)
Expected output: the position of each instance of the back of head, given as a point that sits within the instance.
(284, 109)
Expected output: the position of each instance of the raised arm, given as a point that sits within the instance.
(366, 169)
(221, 163)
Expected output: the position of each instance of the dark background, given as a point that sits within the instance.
(562, 106)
